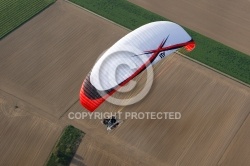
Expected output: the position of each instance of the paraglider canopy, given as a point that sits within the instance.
(146, 45)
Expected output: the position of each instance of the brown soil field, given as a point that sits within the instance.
(225, 21)
(213, 109)
(42, 66)
(45, 61)
(239, 150)
(26, 139)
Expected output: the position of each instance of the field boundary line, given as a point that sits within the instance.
(30, 104)
(98, 15)
(213, 69)
(183, 55)
(57, 140)
(230, 142)
(68, 109)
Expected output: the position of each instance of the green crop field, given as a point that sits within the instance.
(14, 13)
(208, 51)
(66, 147)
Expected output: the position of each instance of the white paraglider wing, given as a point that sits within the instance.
(129, 56)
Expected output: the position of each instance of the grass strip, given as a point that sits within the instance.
(66, 147)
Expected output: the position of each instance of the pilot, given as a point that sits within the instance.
(105, 121)
(113, 120)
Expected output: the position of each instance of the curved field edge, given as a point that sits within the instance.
(14, 13)
(66, 147)
(207, 51)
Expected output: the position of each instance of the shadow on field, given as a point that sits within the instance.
(78, 160)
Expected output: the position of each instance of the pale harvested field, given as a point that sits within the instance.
(225, 21)
(26, 139)
(239, 150)
(213, 109)
(44, 62)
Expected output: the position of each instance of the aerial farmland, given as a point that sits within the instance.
(45, 56)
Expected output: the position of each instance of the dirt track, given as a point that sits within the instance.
(225, 21)
(44, 62)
